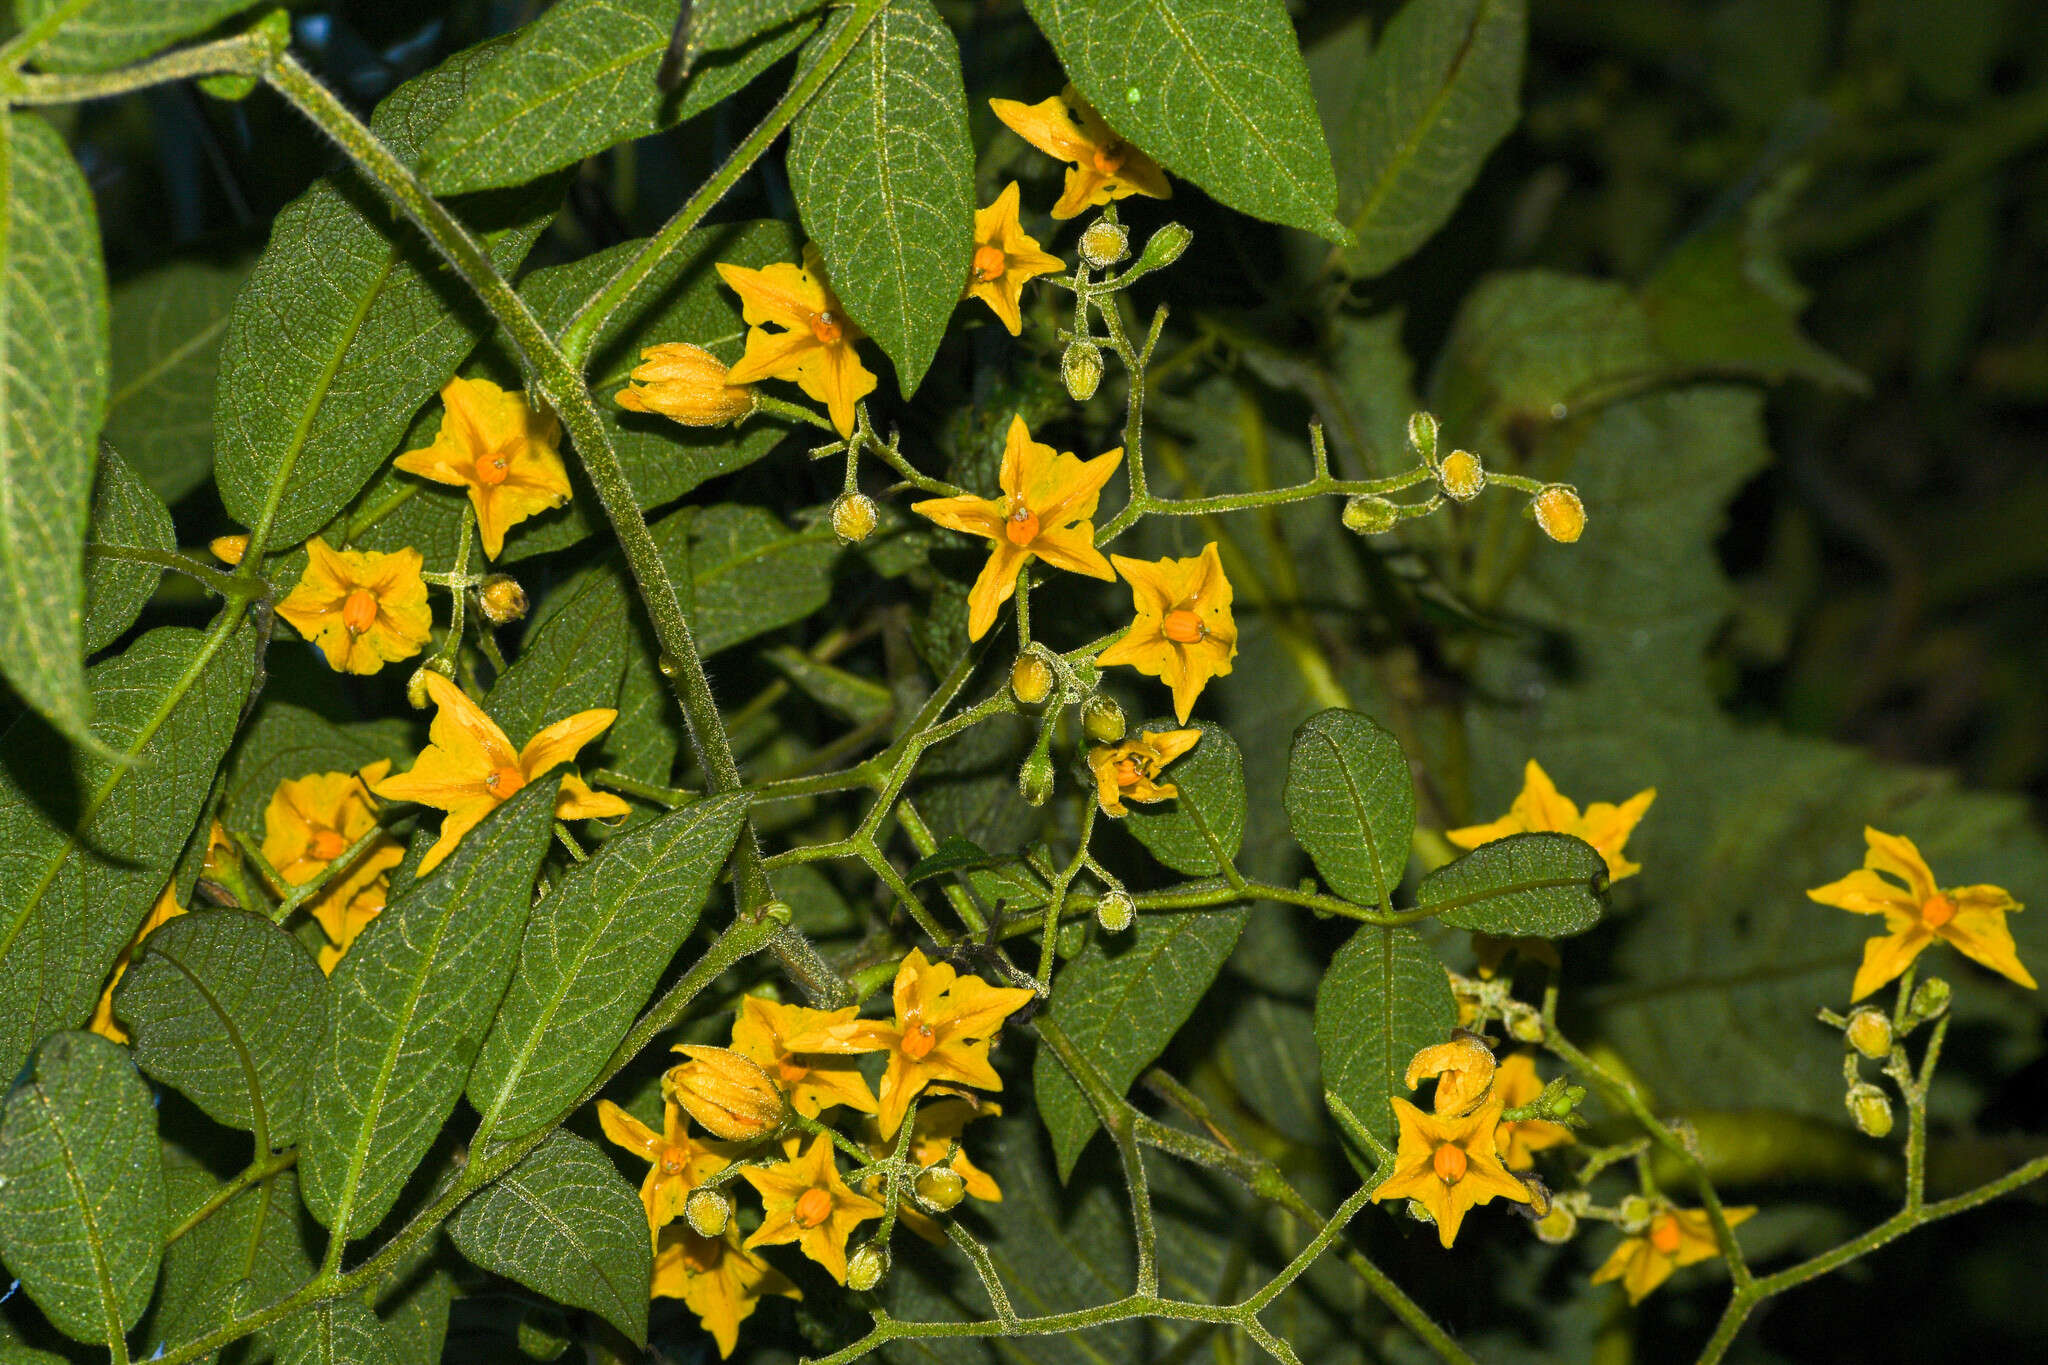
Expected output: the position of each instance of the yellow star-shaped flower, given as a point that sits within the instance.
(804, 1201)
(313, 820)
(1448, 1165)
(1105, 167)
(936, 1131)
(1004, 258)
(103, 1023)
(1916, 912)
(1675, 1237)
(469, 768)
(1516, 1083)
(676, 1162)
(362, 609)
(493, 444)
(716, 1278)
(1129, 769)
(814, 341)
(814, 1082)
(1184, 634)
(1540, 809)
(944, 1023)
(1044, 513)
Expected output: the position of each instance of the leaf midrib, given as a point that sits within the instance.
(95, 1241)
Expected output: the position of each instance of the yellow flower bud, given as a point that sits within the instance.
(854, 517)
(1422, 431)
(1525, 1025)
(940, 1187)
(866, 1267)
(1104, 243)
(1560, 513)
(1558, 1225)
(1461, 475)
(1368, 515)
(1870, 1032)
(685, 384)
(1930, 999)
(229, 549)
(1081, 370)
(502, 599)
(1632, 1214)
(707, 1211)
(728, 1093)
(1102, 719)
(1030, 680)
(1115, 911)
(1870, 1108)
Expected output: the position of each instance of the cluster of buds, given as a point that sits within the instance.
(1461, 476)
(1870, 1034)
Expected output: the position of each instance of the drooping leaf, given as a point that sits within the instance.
(563, 1223)
(1214, 90)
(167, 328)
(339, 1332)
(260, 1236)
(590, 958)
(1200, 830)
(1121, 1001)
(411, 1000)
(1351, 803)
(96, 35)
(347, 325)
(747, 572)
(82, 1187)
(53, 397)
(1384, 998)
(1526, 885)
(228, 1009)
(86, 843)
(883, 174)
(125, 515)
(1442, 88)
(577, 80)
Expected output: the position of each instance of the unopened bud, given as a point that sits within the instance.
(1115, 911)
(502, 599)
(1525, 1025)
(1104, 244)
(707, 1212)
(1560, 513)
(1081, 370)
(940, 1188)
(1102, 720)
(416, 687)
(229, 549)
(1370, 515)
(1870, 1108)
(778, 910)
(866, 1267)
(853, 517)
(728, 1093)
(1559, 1225)
(1030, 680)
(1034, 780)
(1422, 436)
(1164, 248)
(1869, 1032)
(1461, 476)
(685, 384)
(1930, 998)
(1567, 1098)
(1072, 939)
(1633, 1213)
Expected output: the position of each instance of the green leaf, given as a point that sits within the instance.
(1351, 803)
(1121, 1001)
(53, 397)
(342, 1332)
(411, 1001)
(347, 325)
(1200, 831)
(97, 35)
(125, 514)
(953, 854)
(572, 660)
(883, 174)
(260, 1236)
(1531, 342)
(1384, 998)
(415, 1316)
(564, 1224)
(1526, 885)
(229, 1010)
(576, 81)
(82, 1188)
(87, 843)
(719, 24)
(1214, 90)
(1441, 89)
(748, 573)
(590, 959)
(167, 329)
(848, 695)
(287, 742)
